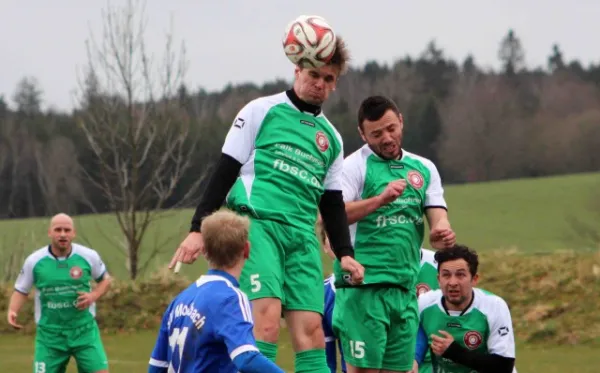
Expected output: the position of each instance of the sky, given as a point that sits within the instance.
(235, 41)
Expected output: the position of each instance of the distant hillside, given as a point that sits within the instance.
(531, 215)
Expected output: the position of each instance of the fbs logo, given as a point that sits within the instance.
(322, 141)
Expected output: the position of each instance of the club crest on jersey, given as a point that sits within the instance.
(472, 339)
(75, 272)
(322, 141)
(422, 288)
(415, 179)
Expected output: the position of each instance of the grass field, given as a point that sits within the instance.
(531, 215)
(129, 353)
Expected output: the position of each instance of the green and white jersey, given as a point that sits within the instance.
(427, 279)
(288, 159)
(57, 281)
(485, 326)
(387, 242)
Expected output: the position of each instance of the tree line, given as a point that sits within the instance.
(141, 140)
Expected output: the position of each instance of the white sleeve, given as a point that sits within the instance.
(427, 299)
(98, 267)
(333, 179)
(434, 195)
(502, 339)
(25, 279)
(352, 178)
(239, 142)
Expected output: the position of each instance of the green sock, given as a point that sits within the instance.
(267, 349)
(313, 361)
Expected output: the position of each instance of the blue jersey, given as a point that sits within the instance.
(330, 339)
(208, 328)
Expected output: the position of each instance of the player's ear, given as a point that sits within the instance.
(362, 134)
(247, 250)
(475, 280)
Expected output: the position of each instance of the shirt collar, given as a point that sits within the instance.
(217, 272)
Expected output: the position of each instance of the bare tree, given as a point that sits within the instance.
(139, 134)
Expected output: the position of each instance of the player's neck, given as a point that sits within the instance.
(59, 253)
(460, 307)
(301, 104)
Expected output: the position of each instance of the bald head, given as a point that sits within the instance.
(61, 232)
(61, 219)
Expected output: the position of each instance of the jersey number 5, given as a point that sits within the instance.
(177, 339)
(256, 285)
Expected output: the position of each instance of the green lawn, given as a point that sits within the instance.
(129, 353)
(529, 214)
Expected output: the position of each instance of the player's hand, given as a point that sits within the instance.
(189, 250)
(442, 238)
(12, 320)
(439, 345)
(392, 191)
(85, 300)
(356, 270)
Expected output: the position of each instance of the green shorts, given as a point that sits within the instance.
(284, 263)
(377, 327)
(53, 349)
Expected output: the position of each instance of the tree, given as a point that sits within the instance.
(139, 135)
(556, 61)
(511, 54)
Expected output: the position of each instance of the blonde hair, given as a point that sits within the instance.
(341, 56)
(225, 234)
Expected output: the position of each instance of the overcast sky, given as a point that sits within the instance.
(239, 41)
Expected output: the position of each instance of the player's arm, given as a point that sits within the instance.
(436, 208)
(23, 286)
(330, 340)
(159, 358)
(342, 361)
(500, 357)
(352, 184)
(331, 353)
(436, 211)
(333, 211)
(235, 329)
(421, 346)
(101, 276)
(238, 146)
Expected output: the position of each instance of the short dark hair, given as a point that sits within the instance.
(458, 252)
(341, 55)
(374, 107)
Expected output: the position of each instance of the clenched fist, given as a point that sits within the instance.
(392, 191)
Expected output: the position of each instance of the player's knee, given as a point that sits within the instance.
(306, 329)
(267, 314)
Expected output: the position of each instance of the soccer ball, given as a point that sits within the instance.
(309, 41)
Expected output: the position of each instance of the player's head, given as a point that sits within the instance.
(225, 236)
(457, 273)
(380, 125)
(61, 232)
(315, 85)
